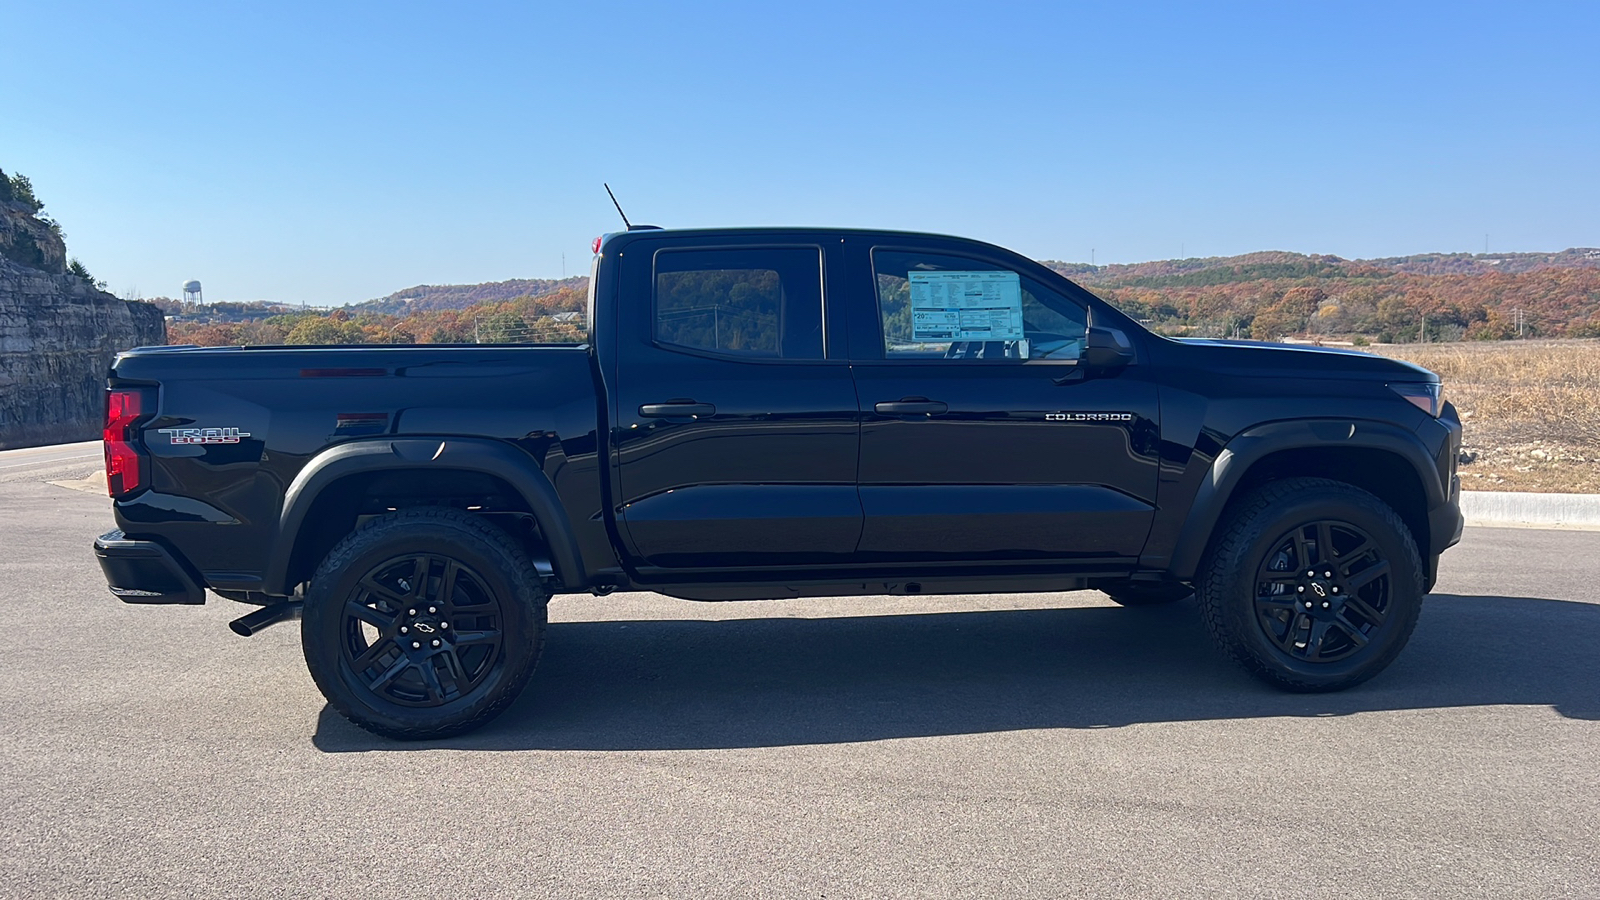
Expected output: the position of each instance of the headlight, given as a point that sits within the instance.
(1424, 395)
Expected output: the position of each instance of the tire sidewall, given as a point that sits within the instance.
(1263, 532)
(335, 583)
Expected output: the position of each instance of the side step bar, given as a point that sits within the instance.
(251, 623)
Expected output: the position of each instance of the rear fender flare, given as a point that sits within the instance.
(1255, 444)
(489, 457)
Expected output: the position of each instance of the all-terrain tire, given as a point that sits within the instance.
(1135, 593)
(1311, 584)
(424, 623)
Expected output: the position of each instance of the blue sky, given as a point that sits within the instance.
(333, 152)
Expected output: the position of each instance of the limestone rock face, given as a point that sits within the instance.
(28, 242)
(58, 336)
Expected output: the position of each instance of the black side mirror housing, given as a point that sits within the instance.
(1107, 349)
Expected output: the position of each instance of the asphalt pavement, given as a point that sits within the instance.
(1040, 745)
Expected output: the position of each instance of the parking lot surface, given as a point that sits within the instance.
(1042, 745)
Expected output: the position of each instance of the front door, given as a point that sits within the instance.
(980, 441)
(735, 432)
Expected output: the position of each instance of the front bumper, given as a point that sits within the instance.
(144, 571)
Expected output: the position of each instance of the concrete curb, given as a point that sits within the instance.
(1501, 508)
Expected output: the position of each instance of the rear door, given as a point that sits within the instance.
(979, 440)
(736, 428)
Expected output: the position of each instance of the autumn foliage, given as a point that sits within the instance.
(525, 319)
(1264, 296)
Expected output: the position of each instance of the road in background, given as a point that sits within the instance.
(1042, 745)
(85, 455)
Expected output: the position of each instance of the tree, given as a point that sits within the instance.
(76, 267)
(319, 330)
(21, 190)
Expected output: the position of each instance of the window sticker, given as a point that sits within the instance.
(966, 306)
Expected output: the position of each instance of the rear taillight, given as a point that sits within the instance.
(125, 463)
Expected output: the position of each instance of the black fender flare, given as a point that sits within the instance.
(490, 457)
(1256, 443)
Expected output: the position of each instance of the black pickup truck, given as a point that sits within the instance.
(765, 413)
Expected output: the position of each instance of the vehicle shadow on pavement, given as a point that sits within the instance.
(657, 685)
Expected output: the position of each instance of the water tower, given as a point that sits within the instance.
(191, 292)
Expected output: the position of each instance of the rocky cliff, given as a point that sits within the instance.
(58, 335)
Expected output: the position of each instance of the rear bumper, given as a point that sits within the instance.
(144, 572)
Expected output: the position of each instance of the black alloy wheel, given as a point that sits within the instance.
(424, 623)
(1311, 584)
(1322, 590)
(420, 630)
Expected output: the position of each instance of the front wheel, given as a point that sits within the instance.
(1312, 584)
(423, 623)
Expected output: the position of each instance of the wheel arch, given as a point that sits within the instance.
(1378, 457)
(320, 506)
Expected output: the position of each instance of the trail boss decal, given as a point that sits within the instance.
(1088, 417)
(205, 435)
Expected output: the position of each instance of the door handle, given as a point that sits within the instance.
(674, 409)
(910, 407)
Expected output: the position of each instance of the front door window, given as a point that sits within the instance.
(948, 307)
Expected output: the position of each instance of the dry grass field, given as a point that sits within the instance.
(1530, 410)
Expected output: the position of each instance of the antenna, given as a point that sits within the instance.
(614, 202)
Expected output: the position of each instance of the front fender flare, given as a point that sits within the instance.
(483, 455)
(1255, 444)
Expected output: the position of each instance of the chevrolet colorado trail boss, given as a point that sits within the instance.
(764, 413)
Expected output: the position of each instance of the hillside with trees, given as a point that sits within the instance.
(553, 317)
(1430, 297)
(1265, 296)
(428, 297)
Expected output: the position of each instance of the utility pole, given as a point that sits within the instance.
(1091, 256)
(477, 333)
(1422, 337)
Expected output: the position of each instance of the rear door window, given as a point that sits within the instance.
(744, 302)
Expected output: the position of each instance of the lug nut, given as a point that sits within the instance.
(444, 624)
(1324, 575)
(404, 630)
(1308, 604)
(1336, 590)
(1311, 574)
(411, 612)
(1326, 604)
(432, 610)
(1301, 589)
(415, 645)
(436, 642)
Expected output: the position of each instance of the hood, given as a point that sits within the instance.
(1303, 360)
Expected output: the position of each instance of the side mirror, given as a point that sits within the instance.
(1107, 349)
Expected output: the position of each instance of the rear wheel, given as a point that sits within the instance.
(1312, 585)
(424, 623)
